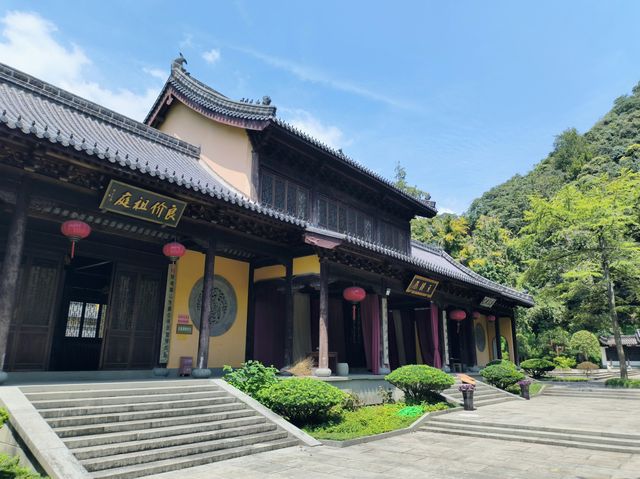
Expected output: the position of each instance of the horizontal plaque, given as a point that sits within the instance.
(488, 302)
(142, 204)
(184, 329)
(421, 286)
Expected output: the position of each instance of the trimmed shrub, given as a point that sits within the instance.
(537, 367)
(420, 383)
(4, 416)
(502, 362)
(303, 400)
(564, 362)
(501, 376)
(587, 367)
(251, 377)
(585, 344)
(10, 468)
(622, 383)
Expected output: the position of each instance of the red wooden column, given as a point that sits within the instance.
(202, 371)
(11, 268)
(323, 330)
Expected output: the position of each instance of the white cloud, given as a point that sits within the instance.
(313, 75)
(305, 121)
(211, 56)
(158, 73)
(28, 42)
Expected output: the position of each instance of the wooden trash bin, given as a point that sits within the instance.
(186, 363)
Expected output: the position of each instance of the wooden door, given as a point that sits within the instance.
(135, 314)
(31, 331)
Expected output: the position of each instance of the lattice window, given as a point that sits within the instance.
(74, 319)
(284, 195)
(90, 323)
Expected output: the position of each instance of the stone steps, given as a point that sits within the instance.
(123, 431)
(592, 393)
(484, 395)
(583, 439)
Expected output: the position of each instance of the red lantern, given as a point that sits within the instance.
(75, 230)
(491, 318)
(354, 295)
(457, 315)
(476, 315)
(174, 251)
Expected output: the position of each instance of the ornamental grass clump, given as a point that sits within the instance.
(537, 367)
(587, 367)
(420, 383)
(501, 376)
(303, 401)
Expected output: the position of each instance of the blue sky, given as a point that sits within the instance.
(463, 94)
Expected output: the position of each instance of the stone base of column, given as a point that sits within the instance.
(322, 372)
(3, 377)
(201, 373)
(384, 371)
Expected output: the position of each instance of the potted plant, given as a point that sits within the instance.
(524, 388)
(467, 395)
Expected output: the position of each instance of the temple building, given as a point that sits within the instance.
(118, 238)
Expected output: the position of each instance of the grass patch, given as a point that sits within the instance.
(565, 380)
(534, 388)
(370, 420)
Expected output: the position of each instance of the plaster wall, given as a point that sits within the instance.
(228, 348)
(225, 149)
(483, 357)
(302, 265)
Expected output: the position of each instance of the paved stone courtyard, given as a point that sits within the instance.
(440, 456)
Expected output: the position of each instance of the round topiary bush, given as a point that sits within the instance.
(537, 367)
(501, 376)
(502, 362)
(303, 400)
(419, 383)
(587, 367)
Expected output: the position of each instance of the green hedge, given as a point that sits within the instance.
(622, 383)
(537, 367)
(10, 468)
(420, 383)
(501, 376)
(251, 377)
(303, 401)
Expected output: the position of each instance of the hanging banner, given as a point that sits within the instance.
(421, 286)
(169, 298)
(142, 204)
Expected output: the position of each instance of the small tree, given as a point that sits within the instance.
(585, 345)
(537, 367)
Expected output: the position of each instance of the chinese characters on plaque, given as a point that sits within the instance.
(421, 286)
(142, 204)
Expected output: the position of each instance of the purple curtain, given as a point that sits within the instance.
(314, 317)
(268, 345)
(336, 328)
(423, 325)
(435, 337)
(370, 311)
(394, 361)
(408, 335)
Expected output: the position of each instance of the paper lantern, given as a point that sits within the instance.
(491, 318)
(476, 315)
(354, 295)
(75, 230)
(174, 251)
(457, 315)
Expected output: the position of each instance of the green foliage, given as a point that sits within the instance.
(368, 421)
(4, 416)
(622, 383)
(564, 362)
(585, 345)
(251, 377)
(10, 468)
(303, 400)
(502, 362)
(419, 382)
(537, 367)
(402, 185)
(501, 376)
(352, 402)
(386, 395)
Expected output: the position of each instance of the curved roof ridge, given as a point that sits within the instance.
(86, 107)
(339, 154)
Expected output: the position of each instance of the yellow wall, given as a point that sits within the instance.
(483, 357)
(228, 348)
(302, 265)
(225, 149)
(505, 330)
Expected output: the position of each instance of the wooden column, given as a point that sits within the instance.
(207, 290)
(251, 314)
(323, 329)
(11, 266)
(445, 339)
(496, 323)
(473, 355)
(514, 339)
(288, 313)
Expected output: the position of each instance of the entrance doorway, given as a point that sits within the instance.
(81, 323)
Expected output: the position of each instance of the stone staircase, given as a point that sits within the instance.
(134, 429)
(592, 392)
(483, 395)
(583, 439)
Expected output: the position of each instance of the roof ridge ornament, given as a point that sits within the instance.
(179, 63)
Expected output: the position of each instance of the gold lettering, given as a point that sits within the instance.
(171, 213)
(158, 208)
(123, 200)
(141, 205)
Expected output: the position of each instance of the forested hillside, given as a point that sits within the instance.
(565, 231)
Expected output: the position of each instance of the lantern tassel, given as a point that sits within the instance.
(73, 249)
(353, 308)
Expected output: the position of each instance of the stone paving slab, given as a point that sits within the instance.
(424, 454)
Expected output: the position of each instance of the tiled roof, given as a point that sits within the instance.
(258, 116)
(50, 113)
(627, 339)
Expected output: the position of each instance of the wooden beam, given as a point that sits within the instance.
(11, 266)
(207, 290)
